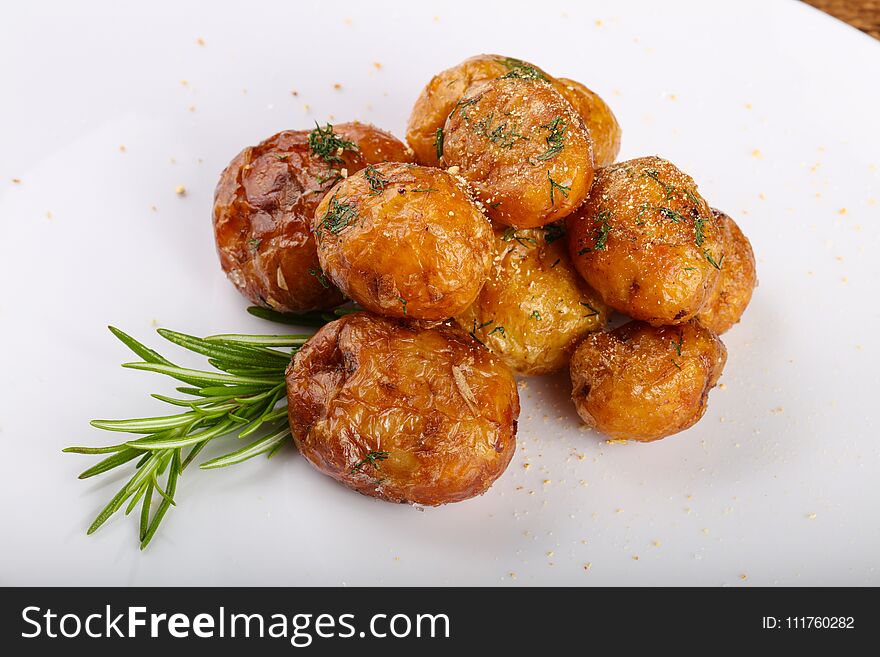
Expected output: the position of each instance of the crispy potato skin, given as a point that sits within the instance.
(644, 239)
(535, 306)
(600, 120)
(632, 384)
(442, 406)
(736, 280)
(263, 207)
(523, 149)
(404, 241)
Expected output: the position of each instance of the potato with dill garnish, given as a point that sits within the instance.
(424, 133)
(641, 382)
(535, 306)
(736, 281)
(523, 149)
(647, 242)
(402, 412)
(404, 241)
(264, 203)
(439, 97)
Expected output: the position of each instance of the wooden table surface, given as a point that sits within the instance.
(863, 14)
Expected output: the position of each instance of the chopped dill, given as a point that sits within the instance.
(254, 245)
(501, 135)
(669, 190)
(403, 302)
(497, 329)
(699, 224)
(370, 458)
(338, 216)
(593, 311)
(535, 315)
(327, 145)
(477, 327)
(519, 69)
(555, 185)
(511, 234)
(712, 261)
(423, 190)
(677, 345)
(556, 139)
(438, 142)
(376, 181)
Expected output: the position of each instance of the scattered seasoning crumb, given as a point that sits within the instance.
(722, 386)
(547, 482)
(756, 153)
(200, 41)
(550, 553)
(337, 86)
(192, 108)
(454, 170)
(588, 566)
(121, 148)
(706, 531)
(16, 181)
(811, 516)
(635, 557)
(154, 208)
(397, 558)
(841, 211)
(512, 575)
(743, 577)
(49, 215)
(377, 66)
(778, 409)
(597, 23)
(618, 510)
(748, 106)
(526, 466)
(656, 543)
(180, 190)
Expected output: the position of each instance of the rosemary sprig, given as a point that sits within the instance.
(244, 394)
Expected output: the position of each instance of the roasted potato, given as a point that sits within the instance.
(401, 412)
(265, 201)
(647, 242)
(535, 306)
(404, 241)
(438, 99)
(736, 281)
(424, 133)
(640, 382)
(523, 149)
(600, 120)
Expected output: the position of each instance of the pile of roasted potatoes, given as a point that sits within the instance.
(498, 241)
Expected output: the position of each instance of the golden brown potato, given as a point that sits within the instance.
(535, 306)
(264, 203)
(640, 382)
(647, 241)
(736, 281)
(523, 149)
(438, 99)
(402, 413)
(442, 93)
(404, 241)
(600, 120)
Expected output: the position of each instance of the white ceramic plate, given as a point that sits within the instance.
(771, 106)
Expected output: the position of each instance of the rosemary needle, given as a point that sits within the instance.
(243, 395)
